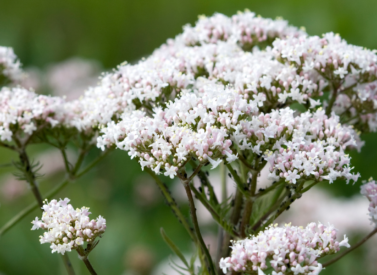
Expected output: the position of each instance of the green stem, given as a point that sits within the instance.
(224, 194)
(31, 179)
(234, 218)
(213, 212)
(351, 248)
(267, 190)
(23, 213)
(272, 209)
(172, 203)
(237, 179)
(204, 181)
(248, 209)
(92, 164)
(204, 248)
(332, 100)
(308, 187)
(10, 147)
(286, 204)
(66, 162)
(68, 264)
(79, 161)
(84, 257)
(222, 235)
(29, 175)
(238, 201)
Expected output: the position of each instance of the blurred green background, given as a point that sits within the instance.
(44, 32)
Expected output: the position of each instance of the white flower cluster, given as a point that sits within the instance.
(66, 227)
(369, 190)
(191, 126)
(288, 250)
(244, 28)
(174, 67)
(10, 71)
(204, 95)
(205, 125)
(349, 69)
(308, 146)
(23, 112)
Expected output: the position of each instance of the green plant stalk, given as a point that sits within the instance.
(203, 177)
(84, 257)
(175, 249)
(23, 213)
(237, 179)
(213, 212)
(286, 204)
(332, 99)
(248, 209)
(30, 177)
(224, 193)
(272, 209)
(351, 248)
(172, 204)
(68, 264)
(221, 232)
(208, 259)
(66, 162)
(234, 218)
(267, 190)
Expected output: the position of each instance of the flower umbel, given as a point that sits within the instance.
(288, 250)
(68, 228)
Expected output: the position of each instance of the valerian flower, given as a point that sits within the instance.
(66, 227)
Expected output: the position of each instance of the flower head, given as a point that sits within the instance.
(67, 228)
(288, 249)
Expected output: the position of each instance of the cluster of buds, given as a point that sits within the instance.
(66, 227)
(10, 71)
(288, 250)
(369, 190)
(24, 112)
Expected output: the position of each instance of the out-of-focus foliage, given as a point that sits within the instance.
(44, 32)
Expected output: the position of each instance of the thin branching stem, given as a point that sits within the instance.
(29, 175)
(267, 190)
(272, 209)
(213, 212)
(66, 162)
(92, 164)
(332, 99)
(68, 264)
(208, 259)
(248, 205)
(239, 182)
(84, 257)
(221, 232)
(351, 248)
(172, 204)
(23, 213)
(8, 146)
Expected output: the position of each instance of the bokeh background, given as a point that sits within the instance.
(64, 45)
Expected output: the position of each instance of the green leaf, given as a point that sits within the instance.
(173, 247)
